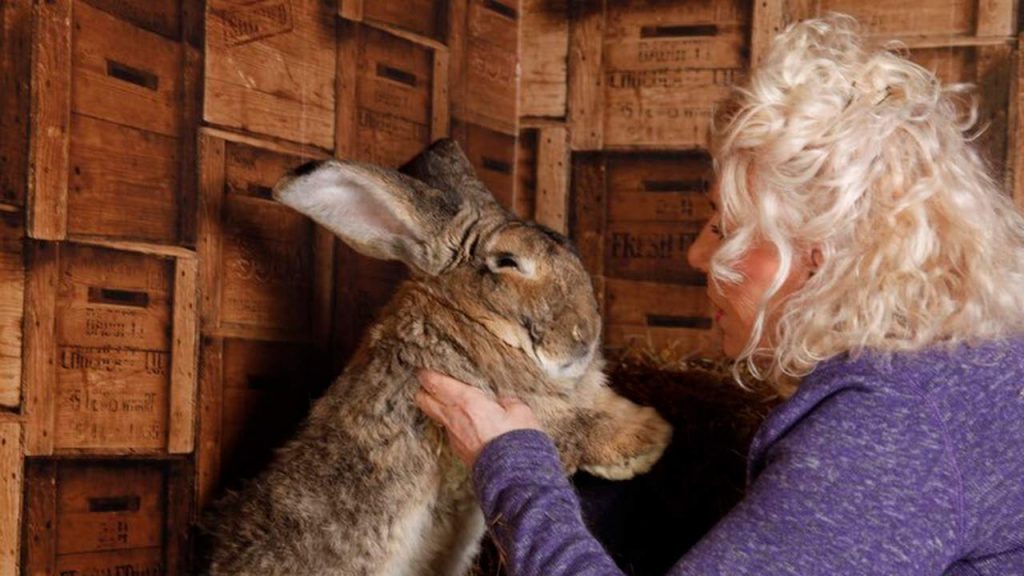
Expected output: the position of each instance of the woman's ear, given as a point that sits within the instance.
(814, 260)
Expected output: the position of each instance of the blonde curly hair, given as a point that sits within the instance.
(865, 156)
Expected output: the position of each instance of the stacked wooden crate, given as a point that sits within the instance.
(408, 74)
(270, 100)
(100, 176)
(644, 77)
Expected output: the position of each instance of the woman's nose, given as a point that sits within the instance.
(699, 253)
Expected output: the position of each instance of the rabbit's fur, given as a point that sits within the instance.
(369, 486)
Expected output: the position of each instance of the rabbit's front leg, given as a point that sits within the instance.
(623, 439)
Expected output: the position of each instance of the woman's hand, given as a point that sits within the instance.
(470, 418)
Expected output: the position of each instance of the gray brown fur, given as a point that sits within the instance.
(368, 486)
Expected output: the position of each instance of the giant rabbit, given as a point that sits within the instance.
(368, 486)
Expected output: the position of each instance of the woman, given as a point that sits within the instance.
(859, 250)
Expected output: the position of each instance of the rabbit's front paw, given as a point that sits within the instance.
(631, 448)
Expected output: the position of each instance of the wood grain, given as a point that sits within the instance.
(544, 56)
(10, 496)
(15, 97)
(39, 367)
(270, 68)
(12, 306)
(586, 84)
(184, 357)
(553, 155)
(51, 120)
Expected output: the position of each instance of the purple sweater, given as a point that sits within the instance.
(905, 464)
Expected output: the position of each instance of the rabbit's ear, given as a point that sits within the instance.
(376, 211)
(443, 165)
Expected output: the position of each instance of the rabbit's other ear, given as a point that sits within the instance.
(376, 211)
(443, 165)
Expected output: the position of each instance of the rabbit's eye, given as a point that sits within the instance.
(504, 262)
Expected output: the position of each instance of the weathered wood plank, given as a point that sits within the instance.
(51, 121)
(39, 367)
(553, 163)
(586, 82)
(184, 357)
(11, 463)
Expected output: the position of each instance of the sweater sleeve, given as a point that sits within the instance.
(861, 485)
(533, 512)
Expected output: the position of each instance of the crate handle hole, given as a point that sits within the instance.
(133, 75)
(98, 295)
(665, 321)
(115, 504)
(688, 31)
(396, 74)
(495, 165)
(498, 7)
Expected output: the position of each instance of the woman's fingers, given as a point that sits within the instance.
(431, 407)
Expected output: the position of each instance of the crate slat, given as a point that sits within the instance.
(10, 496)
(270, 68)
(542, 176)
(51, 120)
(15, 73)
(12, 306)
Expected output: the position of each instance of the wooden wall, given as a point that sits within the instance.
(163, 323)
(632, 84)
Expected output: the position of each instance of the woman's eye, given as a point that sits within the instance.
(717, 231)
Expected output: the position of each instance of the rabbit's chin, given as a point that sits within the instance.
(571, 370)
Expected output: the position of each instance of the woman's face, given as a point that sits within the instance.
(736, 305)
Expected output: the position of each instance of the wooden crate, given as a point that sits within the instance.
(15, 75)
(493, 155)
(930, 18)
(635, 216)
(392, 103)
(106, 517)
(114, 107)
(266, 268)
(542, 175)
(544, 55)
(270, 68)
(12, 297)
(484, 38)
(647, 74)
(253, 395)
(392, 95)
(990, 69)
(11, 463)
(110, 350)
(425, 18)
